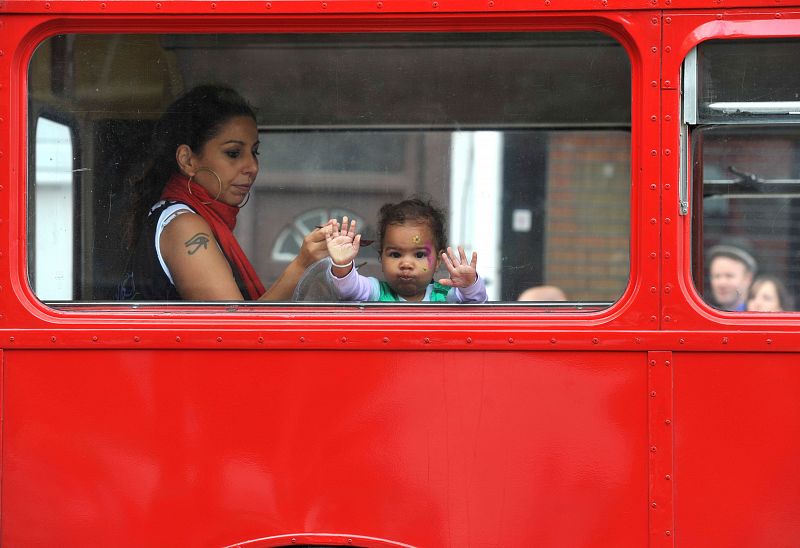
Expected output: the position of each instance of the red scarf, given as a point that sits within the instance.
(222, 219)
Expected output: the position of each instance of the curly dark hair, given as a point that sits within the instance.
(192, 119)
(413, 209)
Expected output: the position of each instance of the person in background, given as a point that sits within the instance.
(542, 293)
(205, 161)
(769, 294)
(731, 270)
(411, 245)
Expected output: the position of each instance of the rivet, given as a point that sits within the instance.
(177, 339)
(213, 6)
(546, 2)
(11, 339)
(653, 84)
(667, 363)
(491, 4)
(595, 341)
(667, 151)
(343, 339)
(469, 340)
(380, 5)
(511, 340)
(777, 16)
(667, 84)
(653, 255)
(103, 6)
(427, 340)
(681, 341)
(667, 186)
(653, 318)
(653, 187)
(219, 339)
(637, 340)
(652, 362)
(654, 505)
(667, 221)
(52, 339)
(605, 2)
(667, 49)
(724, 340)
(269, 5)
(667, 477)
(719, 16)
(653, 394)
(47, 5)
(769, 341)
(654, 49)
(667, 289)
(136, 339)
(294, 540)
(653, 448)
(302, 339)
(667, 318)
(667, 255)
(667, 117)
(653, 221)
(654, 20)
(667, 421)
(653, 118)
(158, 5)
(386, 339)
(260, 340)
(94, 338)
(552, 341)
(653, 152)
(668, 533)
(653, 289)
(324, 6)
(436, 4)
(668, 20)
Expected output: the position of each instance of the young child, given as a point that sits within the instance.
(411, 240)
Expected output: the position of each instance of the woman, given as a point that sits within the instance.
(768, 294)
(205, 163)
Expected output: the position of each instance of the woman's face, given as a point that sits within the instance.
(764, 298)
(233, 155)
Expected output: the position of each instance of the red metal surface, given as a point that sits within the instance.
(427, 448)
(201, 427)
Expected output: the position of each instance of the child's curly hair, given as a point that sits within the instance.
(413, 209)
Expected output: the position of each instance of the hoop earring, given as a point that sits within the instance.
(246, 199)
(214, 173)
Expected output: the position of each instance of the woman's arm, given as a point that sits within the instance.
(200, 271)
(313, 249)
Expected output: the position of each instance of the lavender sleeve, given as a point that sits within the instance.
(354, 286)
(476, 293)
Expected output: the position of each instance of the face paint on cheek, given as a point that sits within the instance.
(430, 254)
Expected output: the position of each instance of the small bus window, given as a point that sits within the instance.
(522, 138)
(53, 236)
(746, 175)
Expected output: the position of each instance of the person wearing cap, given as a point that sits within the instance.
(731, 270)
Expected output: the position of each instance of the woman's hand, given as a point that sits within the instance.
(314, 245)
(462, 273)
(343, 247)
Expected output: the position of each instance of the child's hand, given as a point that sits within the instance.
(343, 246)
(462, 274)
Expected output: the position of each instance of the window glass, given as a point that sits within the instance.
(746, 176)
(522, 138)
(52, 264)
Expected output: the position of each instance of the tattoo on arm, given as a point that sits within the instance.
(197, 241)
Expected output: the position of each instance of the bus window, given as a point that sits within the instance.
(746, 174)
(53, 235)
(530, 160)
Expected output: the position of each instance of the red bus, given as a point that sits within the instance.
(614, 149)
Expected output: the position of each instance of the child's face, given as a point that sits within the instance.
(409, 259)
